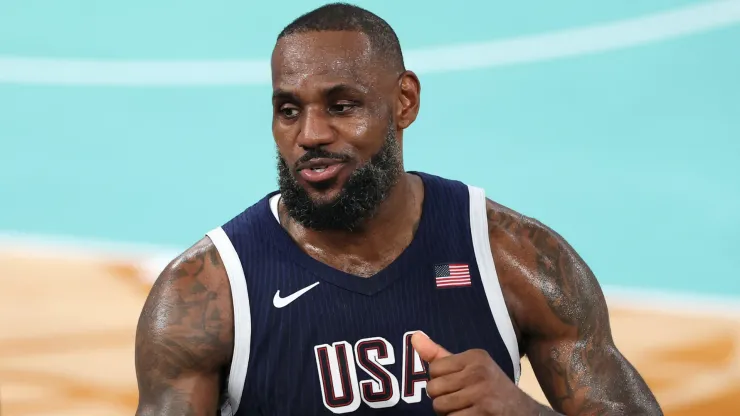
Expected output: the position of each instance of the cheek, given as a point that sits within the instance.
(284, 147)
(359, 130)
(283, 134)
(365, 132)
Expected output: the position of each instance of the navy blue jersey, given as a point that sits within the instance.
(312, 340)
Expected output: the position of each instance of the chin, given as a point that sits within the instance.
(325, 196)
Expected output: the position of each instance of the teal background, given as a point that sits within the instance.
(632, 154)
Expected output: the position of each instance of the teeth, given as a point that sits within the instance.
(319, 169)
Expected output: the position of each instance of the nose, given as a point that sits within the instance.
(316, 130)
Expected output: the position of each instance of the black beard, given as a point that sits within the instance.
(358, 200)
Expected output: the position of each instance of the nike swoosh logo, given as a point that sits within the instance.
(279, 302)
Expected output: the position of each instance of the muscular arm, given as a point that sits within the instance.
(562, 321)
(184, 339)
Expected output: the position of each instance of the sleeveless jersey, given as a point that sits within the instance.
(312, 340)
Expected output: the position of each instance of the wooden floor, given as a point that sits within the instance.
(66, 343)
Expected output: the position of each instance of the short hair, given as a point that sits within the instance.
(348, 17)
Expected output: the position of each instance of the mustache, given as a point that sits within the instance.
(321, 154)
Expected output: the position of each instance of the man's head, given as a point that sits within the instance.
(341, 99)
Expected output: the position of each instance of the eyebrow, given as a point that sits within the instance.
(283, 95)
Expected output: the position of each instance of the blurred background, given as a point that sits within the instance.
(129, 129)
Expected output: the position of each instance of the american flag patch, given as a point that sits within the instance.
(452, 275)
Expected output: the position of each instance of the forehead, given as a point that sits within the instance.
(321, 56)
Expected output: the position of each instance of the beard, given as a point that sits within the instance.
(359, 198)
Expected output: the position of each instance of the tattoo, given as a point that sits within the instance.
(215, 258)
(567, 338)
(184, 339)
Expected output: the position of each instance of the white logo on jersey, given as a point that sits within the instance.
(279, 302)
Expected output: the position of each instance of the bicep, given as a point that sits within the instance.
(571, 348)
(188, 393)
(184, 338)
(171, 382)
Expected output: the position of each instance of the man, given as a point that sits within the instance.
(361, 288)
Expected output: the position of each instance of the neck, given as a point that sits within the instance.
(395, 222)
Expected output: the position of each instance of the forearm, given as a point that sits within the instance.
(636, 403)
(591, 378)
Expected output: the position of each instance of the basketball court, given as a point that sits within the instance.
(67, 340)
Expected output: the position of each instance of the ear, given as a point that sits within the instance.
(409, 92)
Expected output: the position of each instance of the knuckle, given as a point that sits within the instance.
(434, 369)
(480, 354)
(434, 387)
(477, 372)
(476, 355)
(443, 405)
(438, 405)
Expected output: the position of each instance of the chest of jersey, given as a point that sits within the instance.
(319, 348)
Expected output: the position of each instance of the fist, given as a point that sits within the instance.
(469, 383)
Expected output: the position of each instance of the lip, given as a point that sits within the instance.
(332, 167)
(321, 161)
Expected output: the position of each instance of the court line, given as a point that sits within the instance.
(61, 247)
(673, 302)
(151, 260)
(465, 56)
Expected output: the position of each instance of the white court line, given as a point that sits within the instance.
(667, 301)
(59, 247)
(152, 260)
(466, 56)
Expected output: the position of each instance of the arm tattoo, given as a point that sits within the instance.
(184, 338)
(564, 322)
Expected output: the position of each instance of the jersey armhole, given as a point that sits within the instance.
(491, 285)
(242, 320)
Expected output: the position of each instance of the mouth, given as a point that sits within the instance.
(320, 169)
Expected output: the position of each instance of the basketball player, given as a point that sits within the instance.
(360, 288)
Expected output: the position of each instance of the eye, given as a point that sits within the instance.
(288, 111)
(341, 108)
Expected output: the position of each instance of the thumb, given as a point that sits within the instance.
(428, 350)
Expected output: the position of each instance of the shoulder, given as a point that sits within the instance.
(189, 312)
(198, 269)
(539, 271)
(515, 234)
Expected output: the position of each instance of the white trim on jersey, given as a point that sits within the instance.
(274, 201)
(242, 320)
(491, 285)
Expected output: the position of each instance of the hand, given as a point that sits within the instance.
(469, 383)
